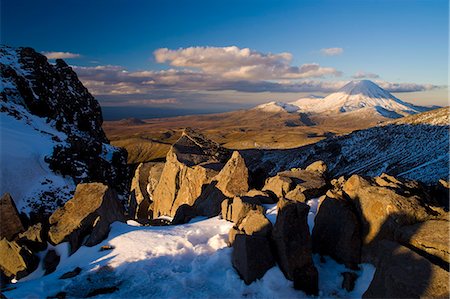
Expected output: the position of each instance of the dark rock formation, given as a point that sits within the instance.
(90, 212)
(35, 237)
(51, 261)
(11, 224)
(349, 280)
(293, 245)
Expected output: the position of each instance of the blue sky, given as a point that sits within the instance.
(402, 42)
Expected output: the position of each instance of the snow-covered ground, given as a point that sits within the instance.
(25, 142)
(184, 261)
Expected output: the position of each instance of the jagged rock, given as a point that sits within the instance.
(90, 212)
(253, 224)
(431, 237)
(263, 197)
(252, 257)
(184, 214)
(382, 209)
(337, 232)
(296, 194)
(293, 245)
(71, 274)
(143, 184)
(35, 237)
(16, 261)
(11, 224)
(402, 273)
(51, 261)
(310, 183)
(318, 166)
(236, 209)
(191, 164)
(232, 180)
(349, 279)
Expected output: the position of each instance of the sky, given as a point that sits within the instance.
(225, 55)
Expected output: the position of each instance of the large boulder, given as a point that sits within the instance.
(255, 223)
(236, 209)
(252, 257)
(232, 180)
(191, 164)
(431, 237)
(310, 183)
(318, 166)
(337, 231)
(402, 273)
(293, 245)
(383, 209)
(16, 261)
(11, 224)
(143, 184)
(89, 213)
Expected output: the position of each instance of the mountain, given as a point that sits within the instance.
(51, 133)
(414, 147)
(277, 107)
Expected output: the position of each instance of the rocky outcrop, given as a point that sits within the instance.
(253, 224)
(54, 92)
(89, 213)
(293, 245)
(383, 209)
(309, 182)
(232, 180)
(11, 224)
(402, 273)
(143, 184)
(263, 197)
(337, 231)
(34, 238)
(16, 261)
(236, 209)
(430, 237)
(318, 166)
(191, 164)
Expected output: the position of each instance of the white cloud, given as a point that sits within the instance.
(235, 63)
(362, 75)
(331, 51)
(62, 55)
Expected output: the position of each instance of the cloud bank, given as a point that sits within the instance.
(61, 55)
(365, 75)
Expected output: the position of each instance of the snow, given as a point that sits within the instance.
(24, 172)
(277, 107)
(184, 261)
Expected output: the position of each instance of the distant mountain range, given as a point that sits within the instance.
(362, 97)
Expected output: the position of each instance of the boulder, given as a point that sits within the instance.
(349, 280)
(184, 214)
(311, 183)
(236, 209)
(90, 212)
(252, 257)
(16, 261)
(293, 245)
(263, 197)
(431, 237)
(402, 273)
(337, 231)
(296, 194)
(253, 224)
(191, 164)
(140, 200)
(11, 224)
(383, 209)
(319, 166)
(35, 237)
(51, 261)
(232, 180)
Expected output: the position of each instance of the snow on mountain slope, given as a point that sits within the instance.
(437, 117)
(418, 151)
(184, 261)
(306, 104)
(362, 94)
(277, 107)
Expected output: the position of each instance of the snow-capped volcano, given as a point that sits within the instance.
(357, 95)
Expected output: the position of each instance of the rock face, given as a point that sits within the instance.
(16, 261)
(382, 209)
(309, 182)
(337, 231)
(53, 91)
(11, 224)
(191, 164)
(143, 184)
(90, 212)
(402, 273)
(293, 245)
(431, 237)
(236, 209)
